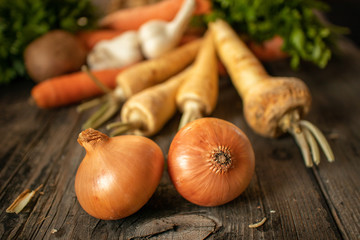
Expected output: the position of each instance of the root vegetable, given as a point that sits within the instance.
(197, 96)
(272, 106)
(146, 112)
(55, 53)
(269, 50)
(72, 88)
(139, 77)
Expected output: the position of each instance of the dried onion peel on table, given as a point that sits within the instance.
(137, 78)
(272, 105)
(197, 96)
(146, 112)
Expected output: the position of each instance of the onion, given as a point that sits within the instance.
(210, 161)
(118, 175)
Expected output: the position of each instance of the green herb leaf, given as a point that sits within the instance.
(305, 36)
(22, 21)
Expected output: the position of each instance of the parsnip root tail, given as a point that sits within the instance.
(308, 137)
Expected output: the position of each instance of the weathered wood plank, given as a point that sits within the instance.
(336, 111)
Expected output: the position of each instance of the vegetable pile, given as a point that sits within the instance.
(210, 160)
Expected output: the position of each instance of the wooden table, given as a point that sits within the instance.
(323, 202)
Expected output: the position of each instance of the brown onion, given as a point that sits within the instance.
(118, 175)
(210, 162)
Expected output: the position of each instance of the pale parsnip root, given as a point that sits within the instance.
(272, 106)
(157, 70)
(197, 96)
(146, 112)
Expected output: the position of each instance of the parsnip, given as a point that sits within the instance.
(197, 96)
(146, 112)
(139, 77)
(151, 72)
(272, 106)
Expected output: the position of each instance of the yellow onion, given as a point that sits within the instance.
(118, 175)
(210, 162)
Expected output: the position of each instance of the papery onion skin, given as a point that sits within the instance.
(118, 175)
(193, 172)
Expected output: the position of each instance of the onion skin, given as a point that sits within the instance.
(193, 171)
(118, 175)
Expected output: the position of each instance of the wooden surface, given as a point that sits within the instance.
(39, 147)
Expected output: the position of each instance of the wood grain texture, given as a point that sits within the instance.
(39, 147)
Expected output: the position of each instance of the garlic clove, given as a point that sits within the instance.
(117, 52)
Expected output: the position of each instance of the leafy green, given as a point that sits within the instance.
(305, 36)
(22, 21)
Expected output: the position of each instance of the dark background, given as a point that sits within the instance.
(346, 13)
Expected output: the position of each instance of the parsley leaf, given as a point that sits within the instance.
(305, 36)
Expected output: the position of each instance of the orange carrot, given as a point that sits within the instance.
(92, 37)
(71, 88)
(133, 18)
(186, 38)
(269, 50)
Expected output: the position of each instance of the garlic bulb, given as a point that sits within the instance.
(158, 37)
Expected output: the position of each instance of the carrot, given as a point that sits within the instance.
(91, 37)
(71, 88)
(141, 76)
(272, 106)
(133, 18)
(269, 50)
(187, 38)
(197, 96)
(146, 112)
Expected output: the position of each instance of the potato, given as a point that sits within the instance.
(55, 53)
